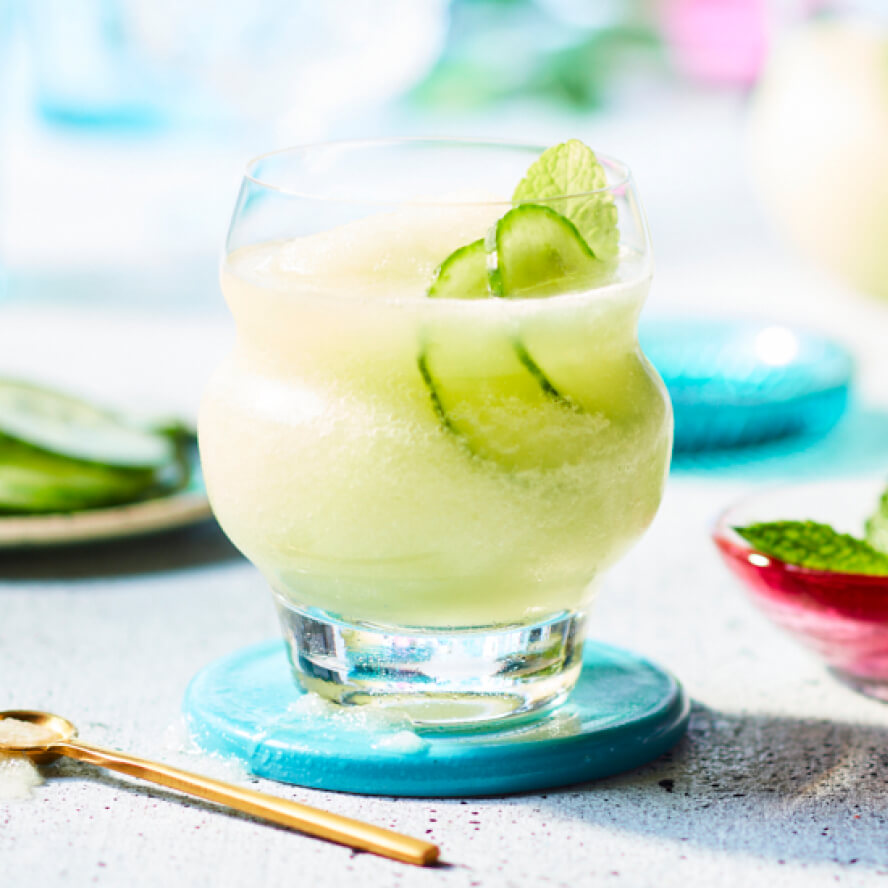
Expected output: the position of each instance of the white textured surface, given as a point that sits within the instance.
(782, 780)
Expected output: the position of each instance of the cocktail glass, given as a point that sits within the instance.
(431, 486)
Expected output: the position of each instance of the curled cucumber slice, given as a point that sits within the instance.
(500, 410)
(66, 426)
(491, 390)
(534, 251)
(531, 251)
(462, 275)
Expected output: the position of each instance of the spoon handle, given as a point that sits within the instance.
(313, 821)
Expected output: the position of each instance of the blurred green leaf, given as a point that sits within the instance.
(499, 50)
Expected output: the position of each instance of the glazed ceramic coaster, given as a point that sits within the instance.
(623, 713)
(736, 383)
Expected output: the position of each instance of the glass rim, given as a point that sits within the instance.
(621, 169)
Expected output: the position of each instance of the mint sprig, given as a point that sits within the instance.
(572, 168)
(814, 545)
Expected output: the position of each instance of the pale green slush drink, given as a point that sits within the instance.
(432, 482)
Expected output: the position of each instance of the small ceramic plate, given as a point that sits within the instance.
(178, 509)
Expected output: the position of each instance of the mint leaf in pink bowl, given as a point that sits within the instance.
(800, 554)
(816, 546)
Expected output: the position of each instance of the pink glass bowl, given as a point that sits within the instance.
(842, 617)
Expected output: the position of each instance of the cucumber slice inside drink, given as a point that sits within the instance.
(534, 251)
(463, 274)
(485, 395)
(491, 389)
(66, 426)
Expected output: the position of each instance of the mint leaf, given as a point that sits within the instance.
(572, 168)
(877, 526)
(818, 546)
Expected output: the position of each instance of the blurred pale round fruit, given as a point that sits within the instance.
(818, 147)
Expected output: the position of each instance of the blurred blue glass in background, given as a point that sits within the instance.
(125, 63)
(736, 382)
(130, 121)
(89, 67)
(5, 41)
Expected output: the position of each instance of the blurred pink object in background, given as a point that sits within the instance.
(718, 41)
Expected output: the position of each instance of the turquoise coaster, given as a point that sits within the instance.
(623, 712)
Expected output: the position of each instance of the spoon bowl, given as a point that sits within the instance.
(42, 753)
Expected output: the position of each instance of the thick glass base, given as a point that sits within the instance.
(452, 678)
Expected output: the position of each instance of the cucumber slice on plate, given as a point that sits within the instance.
(534, 251)
(462, 275)
(33, 481)
(67, 426)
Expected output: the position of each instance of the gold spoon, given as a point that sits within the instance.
(309, 820)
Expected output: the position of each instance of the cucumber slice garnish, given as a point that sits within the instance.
(537, 372)
(534, 251)
(517, 400)
(33, 481)
(491, 392)
(67, 426)
(462, 275)
(484, 394)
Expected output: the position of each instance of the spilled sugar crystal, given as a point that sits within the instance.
(393, 729)
(177, 740)
(402, 741)
(18, 774)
